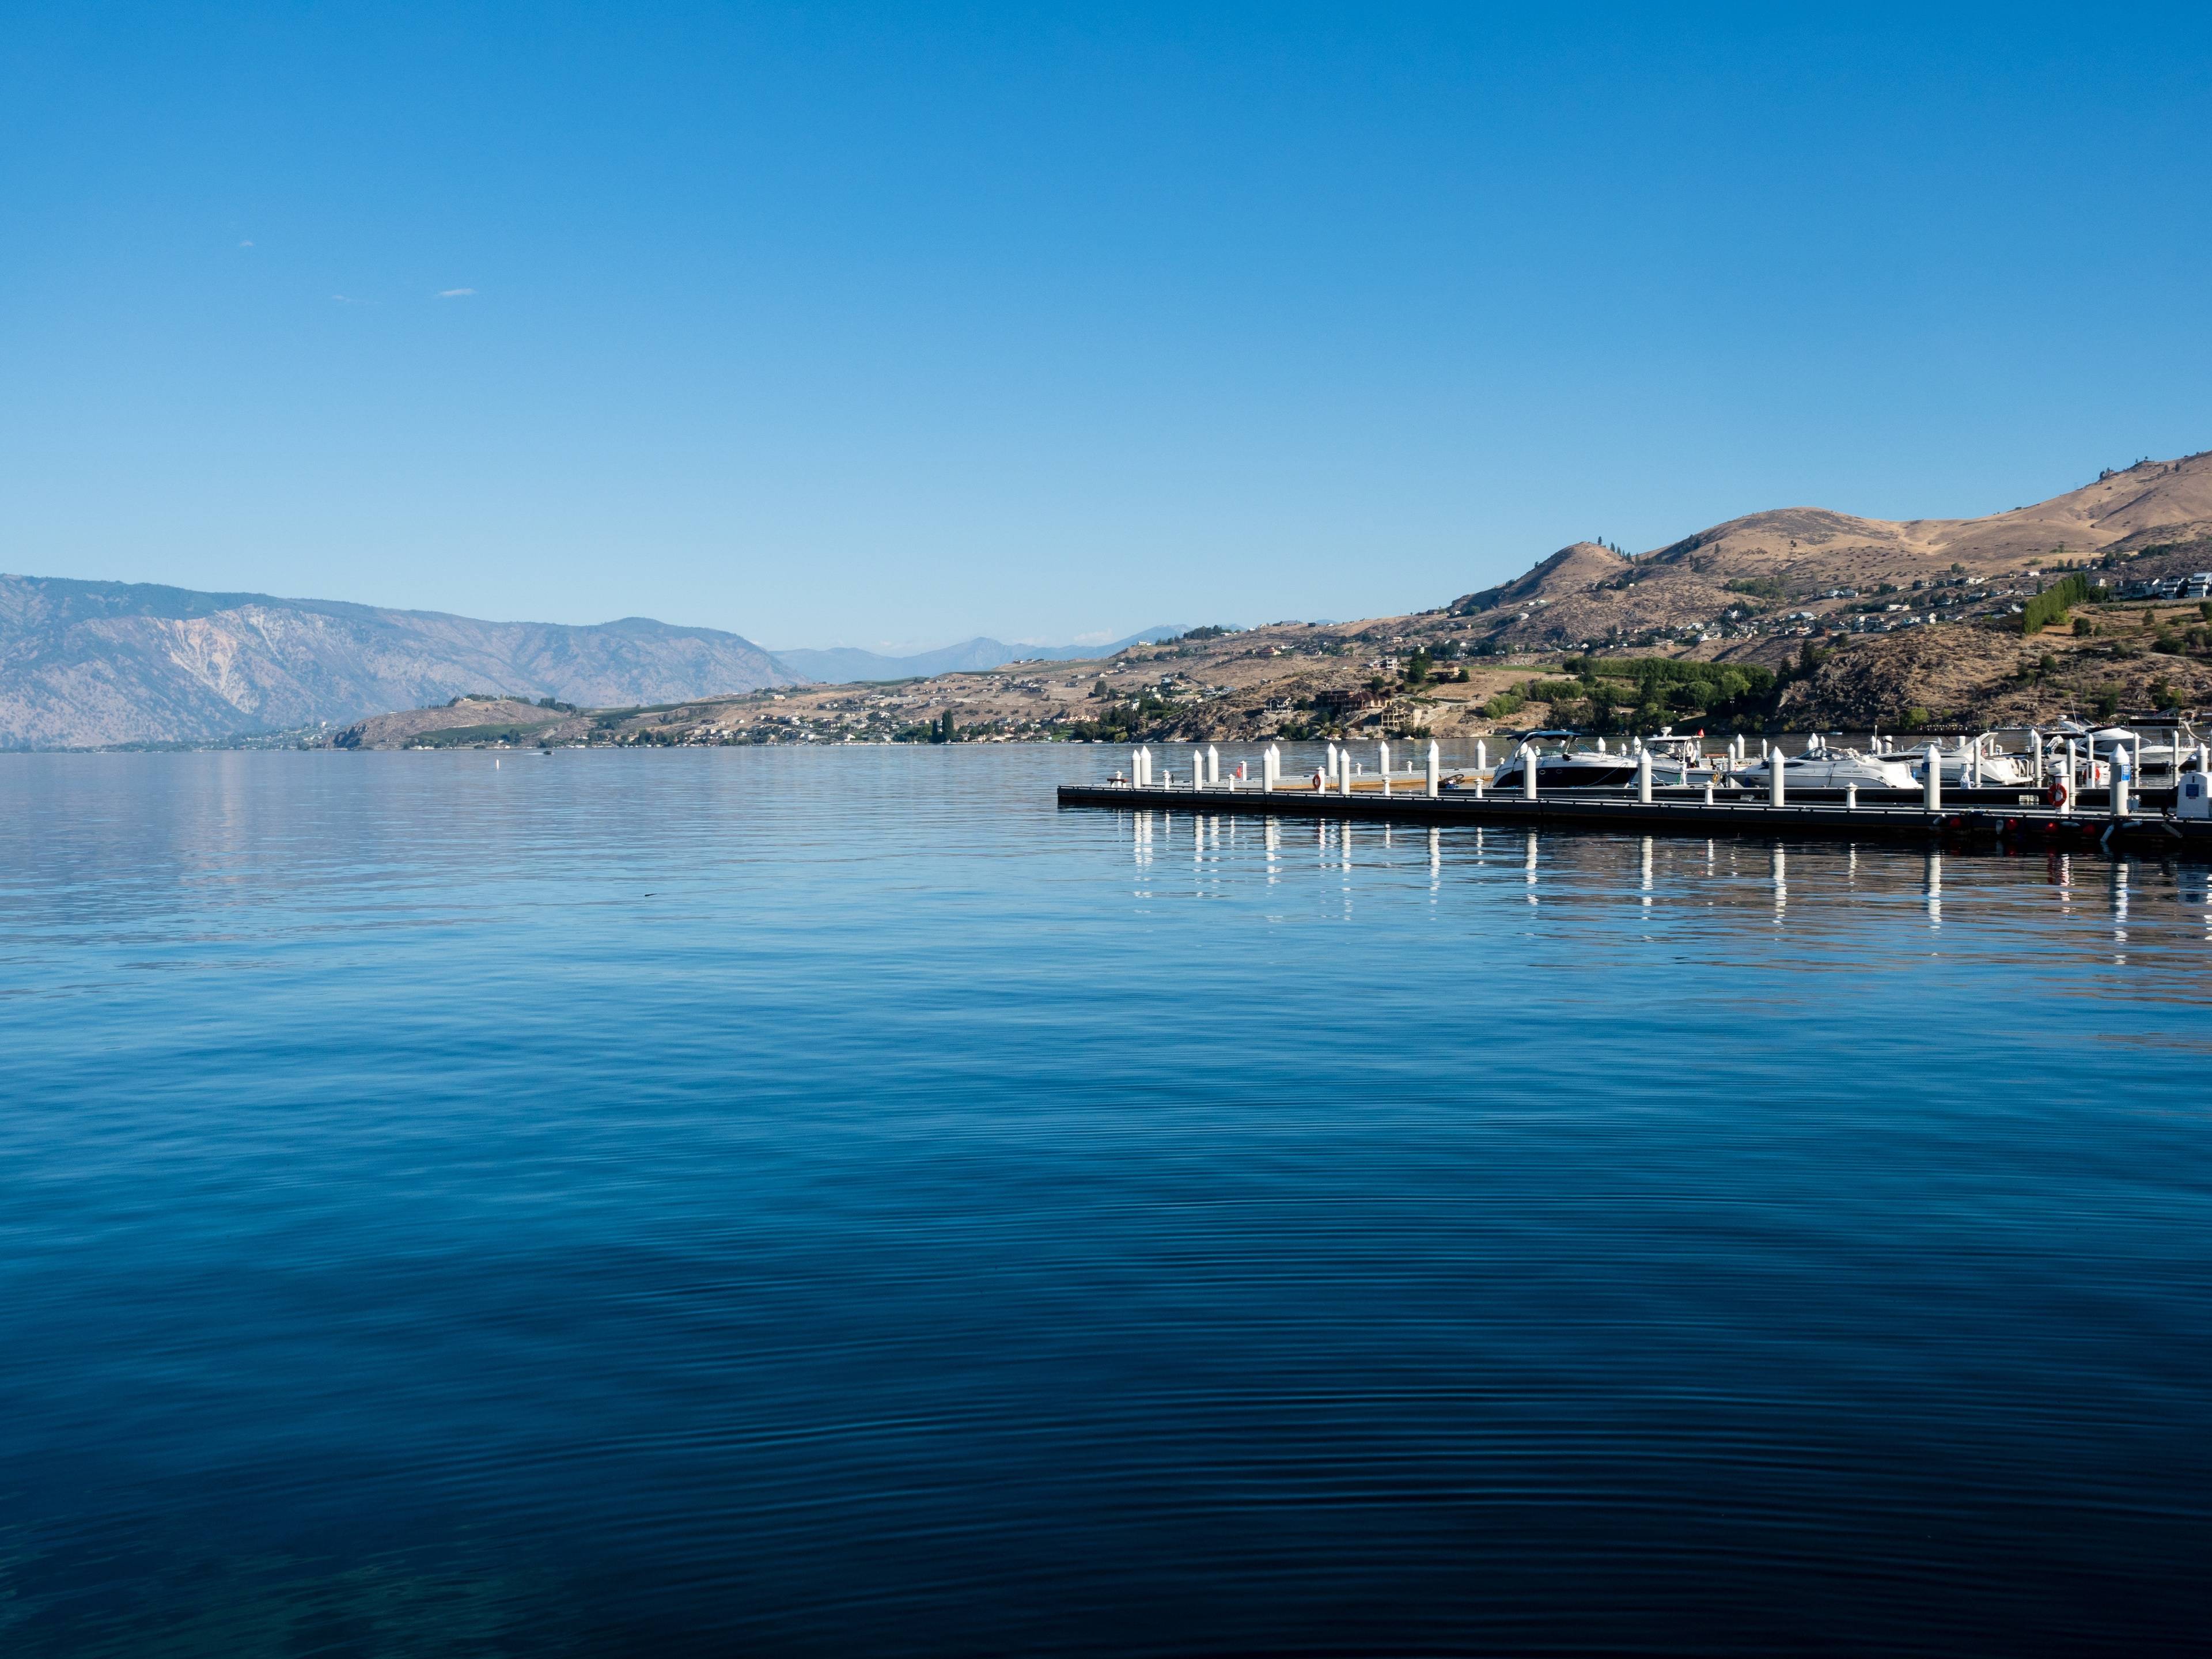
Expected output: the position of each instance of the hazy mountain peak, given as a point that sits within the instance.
(88, 663)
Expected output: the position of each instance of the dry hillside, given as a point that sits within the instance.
(1795, 558)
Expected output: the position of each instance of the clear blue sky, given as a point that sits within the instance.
(869, 323)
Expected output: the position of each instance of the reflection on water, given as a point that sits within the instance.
(833, 1201)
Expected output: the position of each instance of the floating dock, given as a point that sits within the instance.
(2154, 833)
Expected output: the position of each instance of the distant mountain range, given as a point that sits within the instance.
(840, 664)
(84, 664)
(90, 664)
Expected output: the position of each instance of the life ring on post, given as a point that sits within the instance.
(2054, 792)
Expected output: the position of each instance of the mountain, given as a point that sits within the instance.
(1795, 555)
(840, 665)
(85, 663)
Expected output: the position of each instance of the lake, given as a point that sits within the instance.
(828, 1202)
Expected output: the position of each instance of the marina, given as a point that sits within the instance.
(2071, 786)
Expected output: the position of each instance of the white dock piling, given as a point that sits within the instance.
(2067, 808)
(1931, 780)
(1197, 768)
(1344, 775)
(1774, 771)
(1481, 755)
(1213, 764)
(1527, 772)
(2119, 783)
(1382, 765)
(1850, 797)
(1644, 776)
(1433, 780)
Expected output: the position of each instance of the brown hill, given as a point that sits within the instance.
(464, 720)
(1795, 557)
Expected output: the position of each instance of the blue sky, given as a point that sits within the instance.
(878, 324)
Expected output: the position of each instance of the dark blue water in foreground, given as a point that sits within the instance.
(833, 1203)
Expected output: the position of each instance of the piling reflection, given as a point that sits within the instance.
(1813, 892)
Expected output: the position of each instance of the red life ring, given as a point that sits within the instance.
(2054, 792)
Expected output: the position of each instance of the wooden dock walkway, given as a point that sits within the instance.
(2154, 834)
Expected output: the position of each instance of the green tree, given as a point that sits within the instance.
(2053, 603)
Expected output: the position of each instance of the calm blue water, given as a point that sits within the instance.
(834, 1202)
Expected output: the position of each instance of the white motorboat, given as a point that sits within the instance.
(2163, 753)
(1977, 762)
(1822, 768)
(1560, 766)
(2091, 770)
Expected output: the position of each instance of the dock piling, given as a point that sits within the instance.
(1643, 776)
(1432, 772)
(1932, 781)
